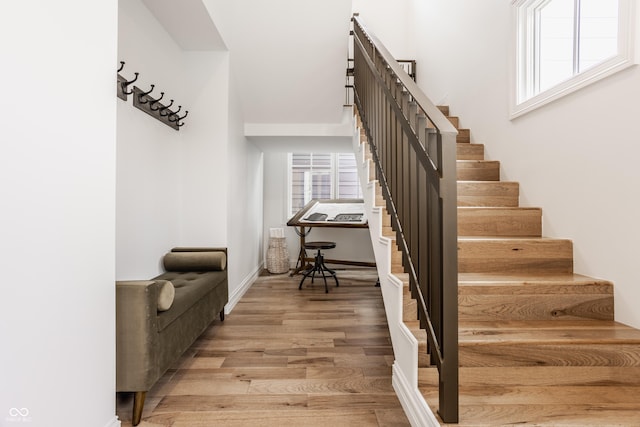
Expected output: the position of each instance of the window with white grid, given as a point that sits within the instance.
(321, 176)
(564, 45)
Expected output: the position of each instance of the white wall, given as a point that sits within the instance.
(289, 57)
(575, 158)
(205, 149)
(172, 185)
(245, 202)
(57, 175)
(391, 22)
(149, 169)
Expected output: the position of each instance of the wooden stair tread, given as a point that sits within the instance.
(605, 414)
(476, 163)
(553, 332)
(551, 279)
(404, 277)
(529, 288)
(493, 210)
(511, 239)
(541, 324)
(489, 283)
(561, 395)
(540, 376)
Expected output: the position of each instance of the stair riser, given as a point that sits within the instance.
(409, 309)
(372, 171)
(466, 151)
(509, 307)
(552, 354)
(476, 170)
(464, 136)
(487, 201)
(388, 231)
(444, 109)
(386, 219)
(499, 222)
(498, 194)
(546, 256)
(396, 261)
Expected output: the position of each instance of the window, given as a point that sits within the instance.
(563, 45)
(321, 176)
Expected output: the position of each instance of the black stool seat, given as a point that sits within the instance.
(318, 265)
(320, 245)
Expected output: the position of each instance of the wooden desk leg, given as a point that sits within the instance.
(301, 255)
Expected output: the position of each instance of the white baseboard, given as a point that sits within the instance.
(115, 422)
(416, 409)
(242, 289)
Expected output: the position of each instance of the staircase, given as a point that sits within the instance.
(538, 344)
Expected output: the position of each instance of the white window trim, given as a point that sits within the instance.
(333, 168)
(335, 182)
(626, 57)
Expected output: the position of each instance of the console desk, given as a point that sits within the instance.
(330, 213)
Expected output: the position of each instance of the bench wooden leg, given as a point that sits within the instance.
(138, 406)
(222, 315)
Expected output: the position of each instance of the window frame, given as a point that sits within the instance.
(522, 101)
(334, 173)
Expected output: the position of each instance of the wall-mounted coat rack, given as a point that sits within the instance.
(145, 102)
(121, 88)
(152, 106)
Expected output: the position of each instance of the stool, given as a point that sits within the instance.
(319, 265)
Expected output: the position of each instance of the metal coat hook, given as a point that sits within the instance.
(180, 118)
(162, 110)
(177, 118)
(141, 96)
(125, 84)
(174, 114)
(121, 90)
(155, 101)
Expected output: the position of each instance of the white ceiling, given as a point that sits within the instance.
(188, 23)
(288, 57)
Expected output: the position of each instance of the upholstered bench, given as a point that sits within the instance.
(157, 320)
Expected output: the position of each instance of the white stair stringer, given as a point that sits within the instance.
(405, 345)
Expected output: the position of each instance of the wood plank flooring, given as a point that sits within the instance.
(285, 357)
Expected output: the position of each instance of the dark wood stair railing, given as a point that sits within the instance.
(414, 150)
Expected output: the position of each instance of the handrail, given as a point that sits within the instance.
(414, 149)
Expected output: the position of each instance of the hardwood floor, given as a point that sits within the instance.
(285, 357)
